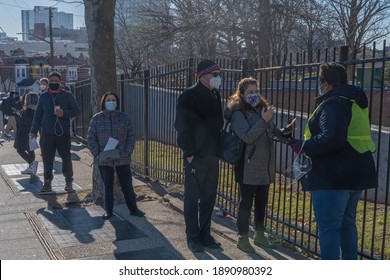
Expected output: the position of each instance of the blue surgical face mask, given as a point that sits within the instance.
(110, 105)
(320, 91)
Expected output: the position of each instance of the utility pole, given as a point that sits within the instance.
(51, 38)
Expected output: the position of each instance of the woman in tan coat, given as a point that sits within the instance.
(251, 120)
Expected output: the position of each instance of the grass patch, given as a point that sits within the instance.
(290, 212)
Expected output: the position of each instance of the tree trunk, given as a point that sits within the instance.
(99, 20)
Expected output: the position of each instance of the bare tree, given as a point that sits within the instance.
(360, 21)
(313, 29)
(99, 20)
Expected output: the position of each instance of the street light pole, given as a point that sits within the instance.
(51, 38)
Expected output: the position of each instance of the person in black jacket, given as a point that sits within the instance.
(10, 108)
(55, 108)
(338, 141)
(22, 136)
(198, 123)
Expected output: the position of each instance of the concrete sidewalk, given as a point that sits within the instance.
(58, 225)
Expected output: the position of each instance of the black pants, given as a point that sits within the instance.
(248, 193)
(200, 186)
(49, 144)
(28, 156)
(126, 182)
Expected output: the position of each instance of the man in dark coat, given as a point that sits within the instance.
(52, 118)
(198, 123)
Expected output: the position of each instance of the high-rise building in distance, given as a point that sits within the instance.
(40, 14)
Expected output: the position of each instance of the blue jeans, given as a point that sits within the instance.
(335, 213)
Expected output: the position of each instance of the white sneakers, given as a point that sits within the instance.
(32, 169)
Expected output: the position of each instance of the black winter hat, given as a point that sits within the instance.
(206, 66)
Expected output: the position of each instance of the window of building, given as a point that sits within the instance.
(72, 74)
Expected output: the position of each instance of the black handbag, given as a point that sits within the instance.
(230, 147)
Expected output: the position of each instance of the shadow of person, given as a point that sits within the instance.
(145, 241)
(72, 226)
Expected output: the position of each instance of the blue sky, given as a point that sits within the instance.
(10, 13)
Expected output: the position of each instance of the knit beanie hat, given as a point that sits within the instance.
(205, 66)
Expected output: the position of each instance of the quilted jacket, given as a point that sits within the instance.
(113, 124)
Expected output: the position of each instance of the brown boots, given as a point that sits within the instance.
(261, 240)
(46, 186)
(69, 187)
(244, 245)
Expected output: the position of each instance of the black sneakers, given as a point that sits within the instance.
(195, 245)
(107, 215)
(137, 213)
(211, 243)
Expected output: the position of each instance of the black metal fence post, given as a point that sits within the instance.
(146, 83)
(343, 54)
(190, 72)
(122, 94)
(245, 68)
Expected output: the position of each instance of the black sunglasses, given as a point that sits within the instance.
(215, 74)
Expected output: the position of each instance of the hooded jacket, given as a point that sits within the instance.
(198, 120)
(257, 166)
(335, 163)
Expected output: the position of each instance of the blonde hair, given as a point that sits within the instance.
(45, 80)
(238, 95)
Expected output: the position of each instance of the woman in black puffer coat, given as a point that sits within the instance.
(24, 122)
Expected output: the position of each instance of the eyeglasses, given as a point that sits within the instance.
(215, 74)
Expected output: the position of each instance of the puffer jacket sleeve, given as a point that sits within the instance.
(92, 138)
(331, 129)
(242, 128)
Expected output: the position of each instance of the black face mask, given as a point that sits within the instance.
(54, 86)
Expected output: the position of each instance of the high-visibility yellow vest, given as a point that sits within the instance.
(359, 133)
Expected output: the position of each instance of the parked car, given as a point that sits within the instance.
(313, 79)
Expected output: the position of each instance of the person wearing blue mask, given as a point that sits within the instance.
(338, 140)
(251, 116)
(111, 123)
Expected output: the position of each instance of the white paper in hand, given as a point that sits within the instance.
(33, 144)
(111, 144)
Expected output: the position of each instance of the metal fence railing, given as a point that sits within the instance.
(149, 97)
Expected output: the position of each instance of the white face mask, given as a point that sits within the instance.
(43, 87)
(215, 82)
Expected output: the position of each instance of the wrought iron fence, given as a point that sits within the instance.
(149, 97)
